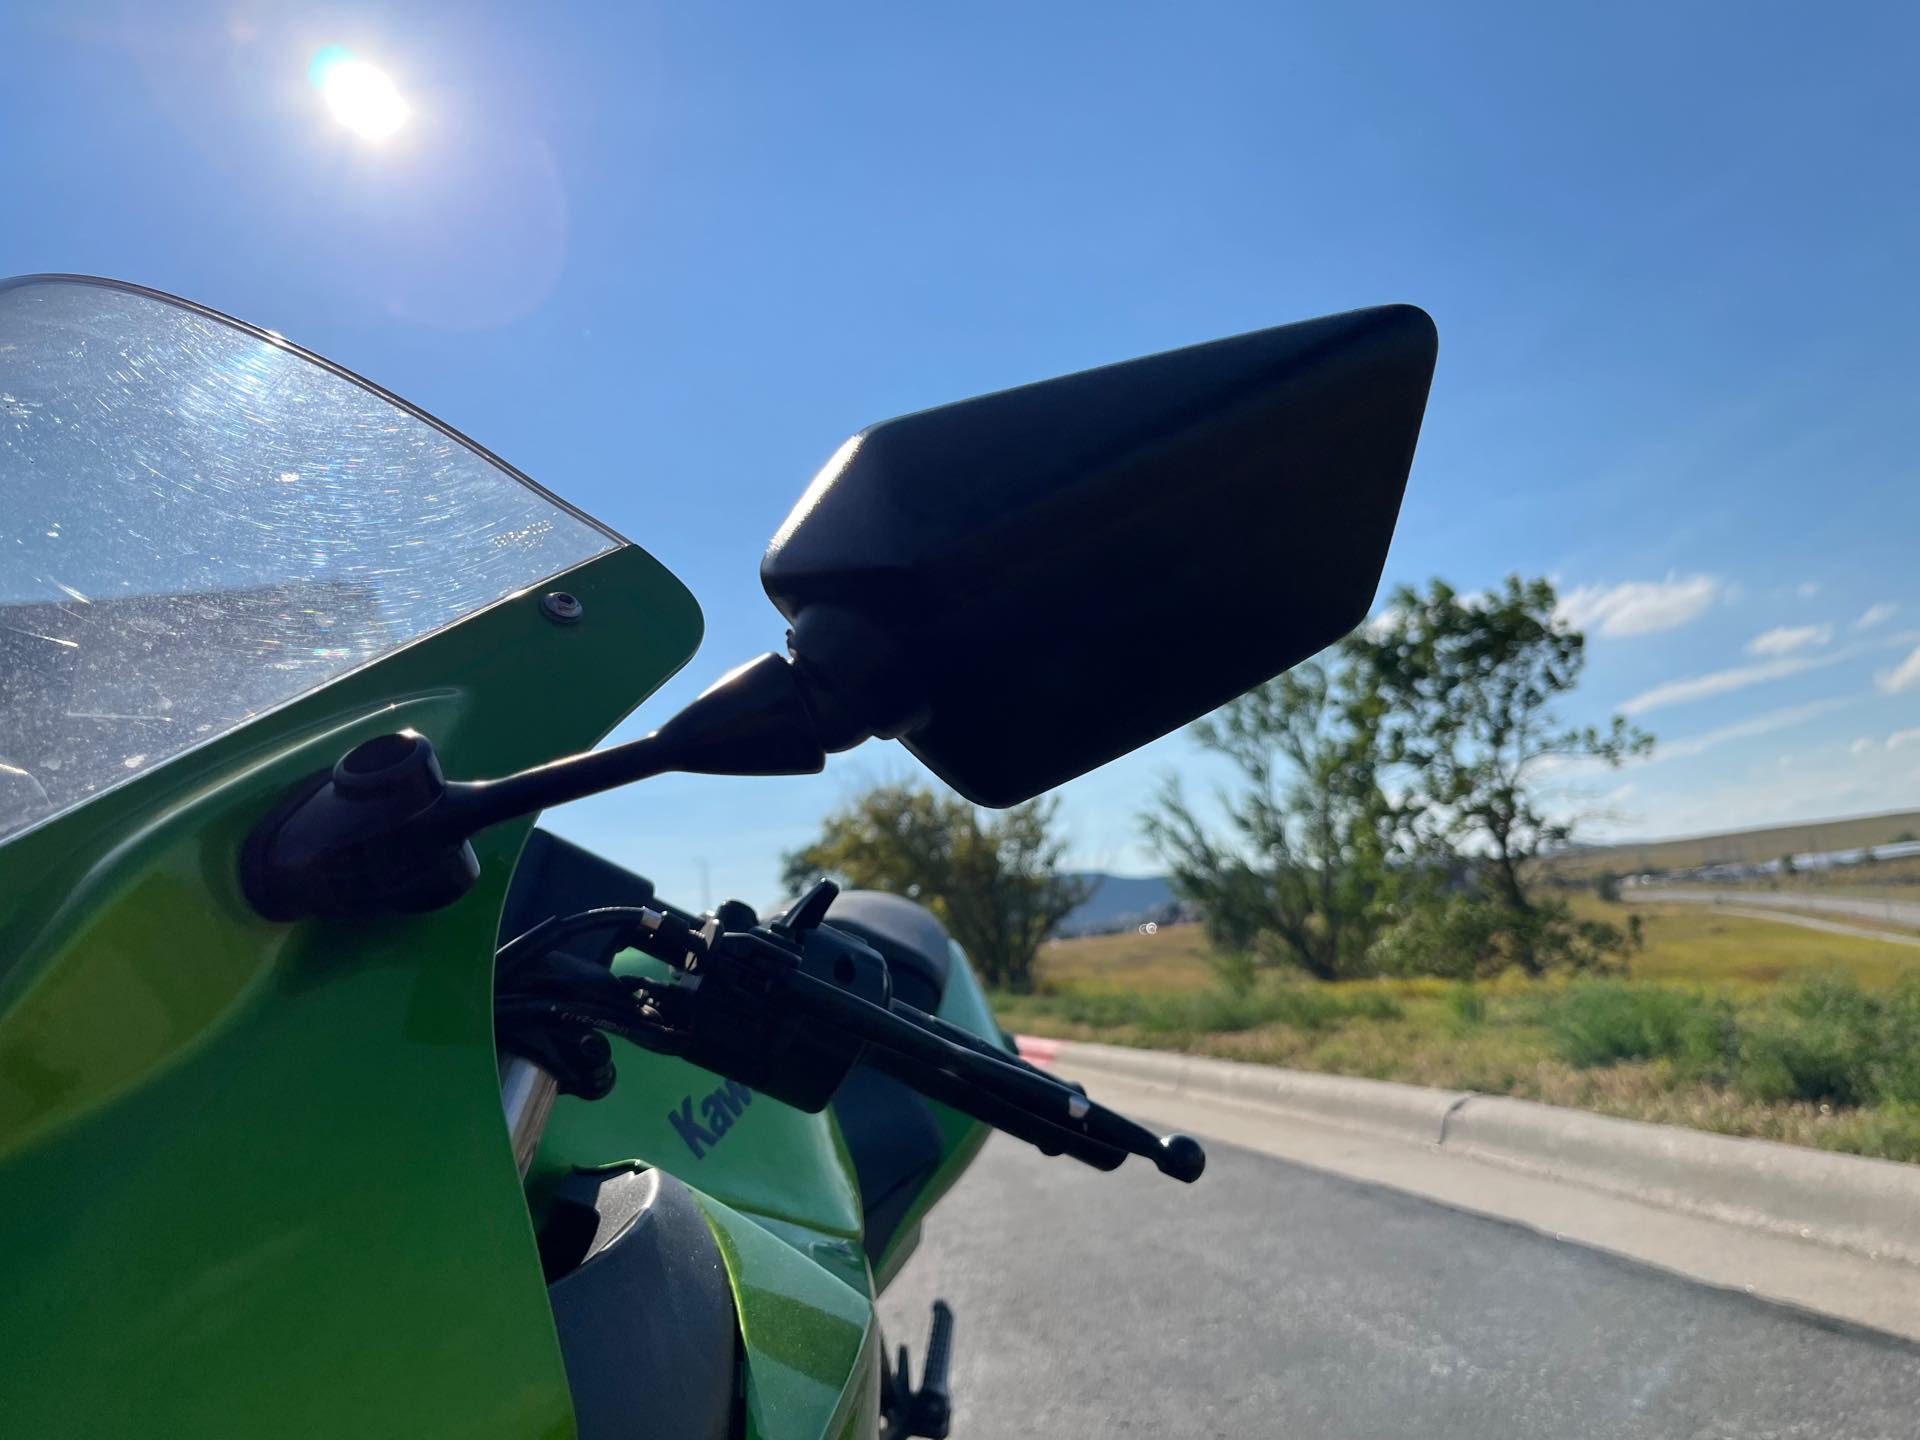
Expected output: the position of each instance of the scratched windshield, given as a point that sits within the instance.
(197, 525)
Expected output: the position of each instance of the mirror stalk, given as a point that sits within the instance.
(384, 830)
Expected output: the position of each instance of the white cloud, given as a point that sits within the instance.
(1639, 607)
(1860, 746)
(1808, 589)
(1688, 746)
(1903, 676)
(1785, 639)
(1770, 794)
(1903, 737)
(1719, 682)
(1382, 625)
(1876, 615)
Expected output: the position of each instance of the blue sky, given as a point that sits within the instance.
(665, 257)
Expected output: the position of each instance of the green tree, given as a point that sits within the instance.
(1468, 687)
(1301, 875)
(993, 879)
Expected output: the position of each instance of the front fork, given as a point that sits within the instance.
(527, 1093)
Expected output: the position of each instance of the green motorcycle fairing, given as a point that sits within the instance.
(746, 1150)
(254, 1177)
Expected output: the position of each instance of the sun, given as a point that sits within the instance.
(360, 95)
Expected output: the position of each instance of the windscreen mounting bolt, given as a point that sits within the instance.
(561, 608)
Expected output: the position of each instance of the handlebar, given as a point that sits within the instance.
(789, 1008)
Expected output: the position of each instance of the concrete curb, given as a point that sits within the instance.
(1848, 1201)
(1406, 1112)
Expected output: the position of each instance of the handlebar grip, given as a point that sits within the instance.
(1181, 1157)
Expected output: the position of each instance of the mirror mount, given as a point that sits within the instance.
(858, 681)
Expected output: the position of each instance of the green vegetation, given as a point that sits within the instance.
(1466, 1004)
(1373, 904)
(1744, 957)
(1194, 1013)
(1389, 801)
(1603, 1022)
(1823, 1037)
(994, 879)
(1737, 1025)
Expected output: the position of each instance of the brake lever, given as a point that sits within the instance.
(790, 1007)
(1177, 1155)
(981, 1068)
(960, 1069)
(959, 1035)
(989, 1109)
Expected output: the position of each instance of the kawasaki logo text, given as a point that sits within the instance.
(718, 1111)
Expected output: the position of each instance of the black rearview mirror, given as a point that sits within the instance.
(1019, 587)
(1024, 586)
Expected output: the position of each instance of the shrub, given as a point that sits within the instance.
(1466, 1004)
(1897, 1067)
(1457, 937)
(1785, 1058)
(1236, 968)
(1373, 1005)
(1469, 936)
(1215, 1012)
(1097, 1008)
(1824, 1039)
(1208, 1012)
(1602, 1022)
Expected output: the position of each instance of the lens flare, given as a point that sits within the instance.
(361, 96)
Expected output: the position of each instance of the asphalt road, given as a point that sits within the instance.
(1275, 1300)
(1886, 912)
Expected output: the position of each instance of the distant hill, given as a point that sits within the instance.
(1735, 847)
(1117, 901)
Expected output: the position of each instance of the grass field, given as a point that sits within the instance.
(1771, 1003)
(1738, 846)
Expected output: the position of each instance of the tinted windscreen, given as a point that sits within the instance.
(197, 525)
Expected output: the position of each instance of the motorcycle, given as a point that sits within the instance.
(336, 1098)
